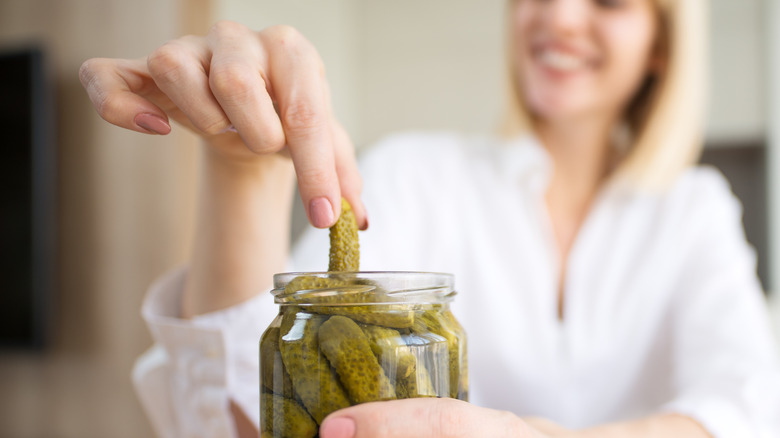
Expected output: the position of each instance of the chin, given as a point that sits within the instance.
(552, 109)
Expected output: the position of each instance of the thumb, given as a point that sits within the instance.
(422, 418)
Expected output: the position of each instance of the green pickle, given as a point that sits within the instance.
(273, 374)
(444, 324)
(346, 347)
(314, 382)
(411, 377)
(344, 245)
(346, 292)
(284, 418)
(341, 339)
(462, 354)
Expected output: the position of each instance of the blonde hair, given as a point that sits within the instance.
(666, 115)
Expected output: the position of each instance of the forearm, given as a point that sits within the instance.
(242, 230)
(666, 426)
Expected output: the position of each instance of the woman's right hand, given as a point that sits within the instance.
(250, 95)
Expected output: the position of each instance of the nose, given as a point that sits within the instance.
(566, 17)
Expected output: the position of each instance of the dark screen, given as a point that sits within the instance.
(23, 247)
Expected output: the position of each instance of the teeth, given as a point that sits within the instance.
(560, 60)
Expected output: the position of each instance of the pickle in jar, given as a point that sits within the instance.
(313, 380)
(347, 348)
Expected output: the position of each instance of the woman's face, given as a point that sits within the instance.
(582, 58)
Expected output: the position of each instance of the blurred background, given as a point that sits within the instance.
(117, 206)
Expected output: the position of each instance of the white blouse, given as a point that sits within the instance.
(662, 308)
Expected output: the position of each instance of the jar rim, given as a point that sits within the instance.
(382, 287)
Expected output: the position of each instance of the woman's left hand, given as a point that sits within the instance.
(424, 418)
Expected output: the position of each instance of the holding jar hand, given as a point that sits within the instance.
(450, 418)
(426, 417)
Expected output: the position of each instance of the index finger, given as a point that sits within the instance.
(298, 86)
(107, 82)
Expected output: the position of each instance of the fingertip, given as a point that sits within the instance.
(363, 226)
(152, 123)
(338, 427)
(322, 213)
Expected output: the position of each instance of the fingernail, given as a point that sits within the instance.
(230, 128)
(365, 221)
(339, 427)
(152, 123)
(321, 212)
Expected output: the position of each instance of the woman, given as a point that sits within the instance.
(606, 286)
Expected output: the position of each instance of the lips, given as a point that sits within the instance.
(561, 59)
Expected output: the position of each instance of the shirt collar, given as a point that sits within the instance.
(524, 159)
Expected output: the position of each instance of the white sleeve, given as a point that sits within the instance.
(726, 364)
(186, 381)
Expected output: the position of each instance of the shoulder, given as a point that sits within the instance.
(703, 191)
(701, 213)
(697, 208)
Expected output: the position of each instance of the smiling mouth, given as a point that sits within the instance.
(560, 60)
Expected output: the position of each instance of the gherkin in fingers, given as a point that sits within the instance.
(344, 245)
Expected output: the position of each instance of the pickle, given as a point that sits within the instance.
(390, 350)
(413, 379)
(344, 245)
(351, 293)
(410, 377)
(272, 372)
(347, 348)
(382, 340)
(314, 382)
(281, 417)
(436, 322)
(387, 315)
(463, 375)
(311, 282)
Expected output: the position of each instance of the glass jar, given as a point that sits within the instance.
(346, 338)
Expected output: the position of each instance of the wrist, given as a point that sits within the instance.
(244, 164)
(242, 230)
(661, 425)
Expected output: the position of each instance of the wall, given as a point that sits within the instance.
(124, 214)
(435, 64)
(330, 26)
(772, 69)
(394, 65)
(738, 87)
